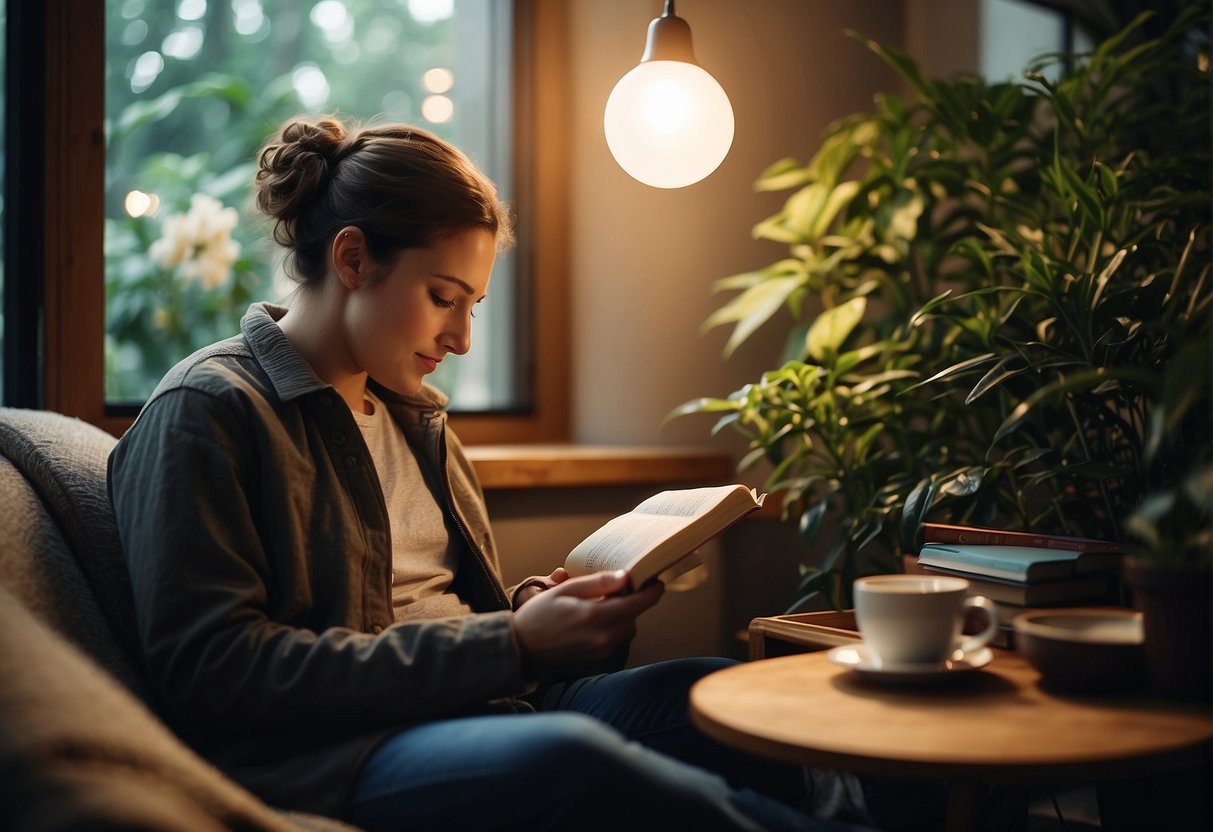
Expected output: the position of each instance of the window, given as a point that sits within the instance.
(78, 202)
(194, 88)
(1015, 32)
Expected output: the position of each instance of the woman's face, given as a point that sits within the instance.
(403, 323)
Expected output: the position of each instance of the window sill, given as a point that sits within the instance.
(567, 466)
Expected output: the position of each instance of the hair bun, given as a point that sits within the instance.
(295, 168)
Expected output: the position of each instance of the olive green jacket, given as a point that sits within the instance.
(259, 549)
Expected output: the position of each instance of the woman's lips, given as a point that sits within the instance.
(428, 364)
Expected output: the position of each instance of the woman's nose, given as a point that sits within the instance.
(458, 338)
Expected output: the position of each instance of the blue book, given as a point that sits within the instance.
(1022, 564)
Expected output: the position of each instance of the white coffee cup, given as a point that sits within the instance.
(916, 619)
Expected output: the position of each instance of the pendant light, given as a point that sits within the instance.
(668, 122)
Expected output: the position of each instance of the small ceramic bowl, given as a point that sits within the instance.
(1084, 649)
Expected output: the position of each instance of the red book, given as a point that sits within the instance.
(945, 533)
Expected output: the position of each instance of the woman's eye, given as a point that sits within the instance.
(447, 303)
(441, 302)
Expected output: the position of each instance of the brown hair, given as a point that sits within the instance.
(401, 185)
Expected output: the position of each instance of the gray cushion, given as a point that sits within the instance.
(64, 460)
(39, 570)
(77, 751)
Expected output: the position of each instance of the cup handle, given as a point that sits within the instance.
(980, 640)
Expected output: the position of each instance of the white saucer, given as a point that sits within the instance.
(860, 658)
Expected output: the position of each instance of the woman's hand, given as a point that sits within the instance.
(536, 584)
(578, 620)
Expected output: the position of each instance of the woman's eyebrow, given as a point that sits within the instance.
(452, 279)
(466, 287)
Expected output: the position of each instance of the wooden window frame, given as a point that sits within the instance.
(73, 222)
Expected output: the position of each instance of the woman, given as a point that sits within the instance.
(317, 590)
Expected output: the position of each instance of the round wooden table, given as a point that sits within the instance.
(995, 725)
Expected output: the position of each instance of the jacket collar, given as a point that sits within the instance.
(291, 375)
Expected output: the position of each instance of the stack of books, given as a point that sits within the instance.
(1024, 570)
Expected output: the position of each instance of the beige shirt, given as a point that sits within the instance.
(423, 557)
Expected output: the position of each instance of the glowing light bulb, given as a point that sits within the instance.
(668, 122)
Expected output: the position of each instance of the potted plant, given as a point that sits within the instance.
(1170, 582)
(985, 284)
(1169, 574)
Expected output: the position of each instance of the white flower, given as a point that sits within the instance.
(199, 242)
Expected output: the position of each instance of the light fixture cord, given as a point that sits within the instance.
(669, 9)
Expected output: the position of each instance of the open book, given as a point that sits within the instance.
(653, 538)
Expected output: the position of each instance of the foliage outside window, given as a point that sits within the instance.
(194, 88)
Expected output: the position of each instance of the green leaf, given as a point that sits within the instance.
(235, 91)
(784, 174)
(1185, 384)
(1087, 198)
(838, 198)
(866, 383)
(962, 483)
(1063, 107)
(816, 582)
(914, 511)
(864, 534)
(838, 149)
(830, 330)
(960, 367)
(995, 376)
(793, 348)
(751, 309)
(864, 442)
(744, 280)
(145, 112)
(1108, 181)
(811, 521)
(700, 405)
(902, 64)
(803, 207)
(1070, 384)
(775, 229)
(750, 459)
(1105, 275)
(930, 305)
(723, 422)
(849, 360)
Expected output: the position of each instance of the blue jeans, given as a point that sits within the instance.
(615, 752)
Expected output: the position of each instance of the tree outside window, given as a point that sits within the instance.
(194, 88)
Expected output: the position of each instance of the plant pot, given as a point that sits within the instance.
(1174, 603)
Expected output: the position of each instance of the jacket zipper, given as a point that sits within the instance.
(462, 524)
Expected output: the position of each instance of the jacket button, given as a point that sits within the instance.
(339, 438)
(351, 460)
(377, 629)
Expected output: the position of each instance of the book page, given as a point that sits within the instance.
(621, 541)
(690, 502)
(662, 530)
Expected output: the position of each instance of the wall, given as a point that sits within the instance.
(943, 35)
(644, 259)
(642, 264)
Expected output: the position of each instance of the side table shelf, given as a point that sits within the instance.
(782, 635)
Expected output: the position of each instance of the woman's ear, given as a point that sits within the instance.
(350, 258)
